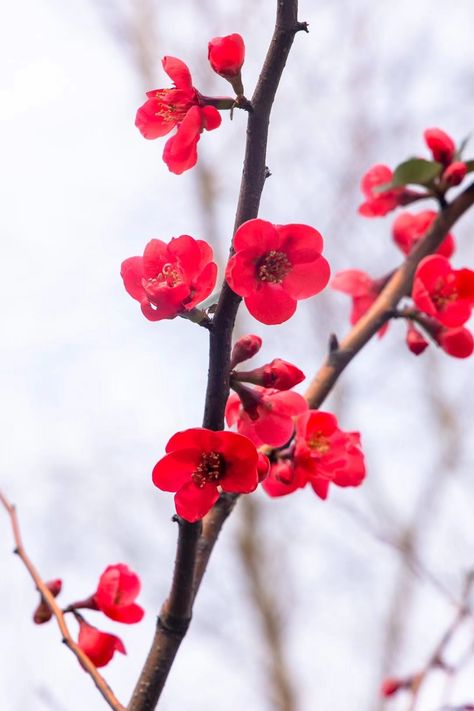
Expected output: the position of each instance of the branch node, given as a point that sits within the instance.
(267, 172)
(301, 27)
(333, 344)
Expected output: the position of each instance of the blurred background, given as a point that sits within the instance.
(307, 605)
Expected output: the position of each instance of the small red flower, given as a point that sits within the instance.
(415, 340)
(379, 202)
(456, 342)
(200, 462)
(440, 144)
(170, 278)
(455, 173)
(43, 612)
(408, 229)
(284, 479)
(99, 646)
(390, 686)
(244, 349)
(325, 454)
(444, 293)
(264, 416)
(274, 266)
(115, 595)
(279, 374)
(181, 107)
(362, 288)
(226, 55)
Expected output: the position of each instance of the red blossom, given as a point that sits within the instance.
(115, 595)
(170, 278)
(409, 228)
(444, 293)
(284, 479)
(440, 144)
(263, 466)
(43, 612)
(279, 374)
(456, 342)
(181, 107)
(415, 340)
(325, 454)
(99, 646)
(264, 416)
(455, 173)
(226, 55)
(391, 686)
(199, 463)
(379, 202)
(244, 349)
(362, 288)
(274, 266)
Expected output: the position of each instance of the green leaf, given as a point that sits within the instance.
(470, 165)
(462, 146)
(417, 171)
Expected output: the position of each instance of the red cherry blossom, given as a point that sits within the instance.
(226, 55)
(244, 349)
(43, 612)
(415, 340)
(264, 416)
(379, 202)
(362, 288)
(279, 374)
(444, 293)
(200, 462)
(326, 454)
(181, 107)
(409, 228)
(99, 646)
(440, 144)
(170, 278)
(115, 595)
(274, 266)
(455, 173)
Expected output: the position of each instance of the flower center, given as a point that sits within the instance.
(319, 443)
(210, 469)
(170, 276)
(273, 267)
(444, 293)
(169, 110)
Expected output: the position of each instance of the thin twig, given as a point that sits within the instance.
(83, 659)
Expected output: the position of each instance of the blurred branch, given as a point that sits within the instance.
(42, 588)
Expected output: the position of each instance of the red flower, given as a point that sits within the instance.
(226, 55)
(115, 595)
(199, 462)
(415, 340)
(167, 108)
(390, 686)
(244, 349)
(456, 342)
(326, 454)
(170, 278)
(274, 266)
(283, 479)
(440, 144)
(379, 202)
(455, 173)
(408, 229)
(362, 288)
(43, 612)
(444, 293)
(279, 374)
(264, 416)
(99, 646)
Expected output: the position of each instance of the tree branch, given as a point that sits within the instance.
(83, 659)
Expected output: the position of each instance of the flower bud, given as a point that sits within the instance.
(245, 348)
(456, 342)
(390, 686)
(263, 466)
(226, 56)
(415, 340)
(43, 612)
(440, 144)
(279, 375)
(455, 173)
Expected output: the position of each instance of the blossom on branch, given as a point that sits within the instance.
(279, 374)
(415, 340)
(200, 463)
(284, 479)
(226, 56)
(442, 292)
(99, 646)
(244, 349)
(274, 266)
(456, 342)
(379, 202)
(440, 144)
(179, 107)
(455, 174)
(116, 592)
(362, 289)
(170, 278)
(409, 228)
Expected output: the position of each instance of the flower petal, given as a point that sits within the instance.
(193, 502)
(270, 304)
(305, 280)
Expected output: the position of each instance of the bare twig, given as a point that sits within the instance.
(83, 659)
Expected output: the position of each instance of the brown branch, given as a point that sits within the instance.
(169, 636)
(83, 659)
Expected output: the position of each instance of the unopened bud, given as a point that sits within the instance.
(43, 612)
(279, 374)
(245, 348)
(455, 173)
(415, 340)
(226, 56)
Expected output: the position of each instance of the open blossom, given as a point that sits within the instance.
(199, 463)
(43, 612)
(99, 646)
(263, 415)
(226, 55)
(440, 144)
(279, 374)
(326, 454)
(379, 202)
(284, 479)
(115, 595)
(409, 228)
(442, 292)
(362, 289)
(274, 266)
(181, 107)
(170, 278)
